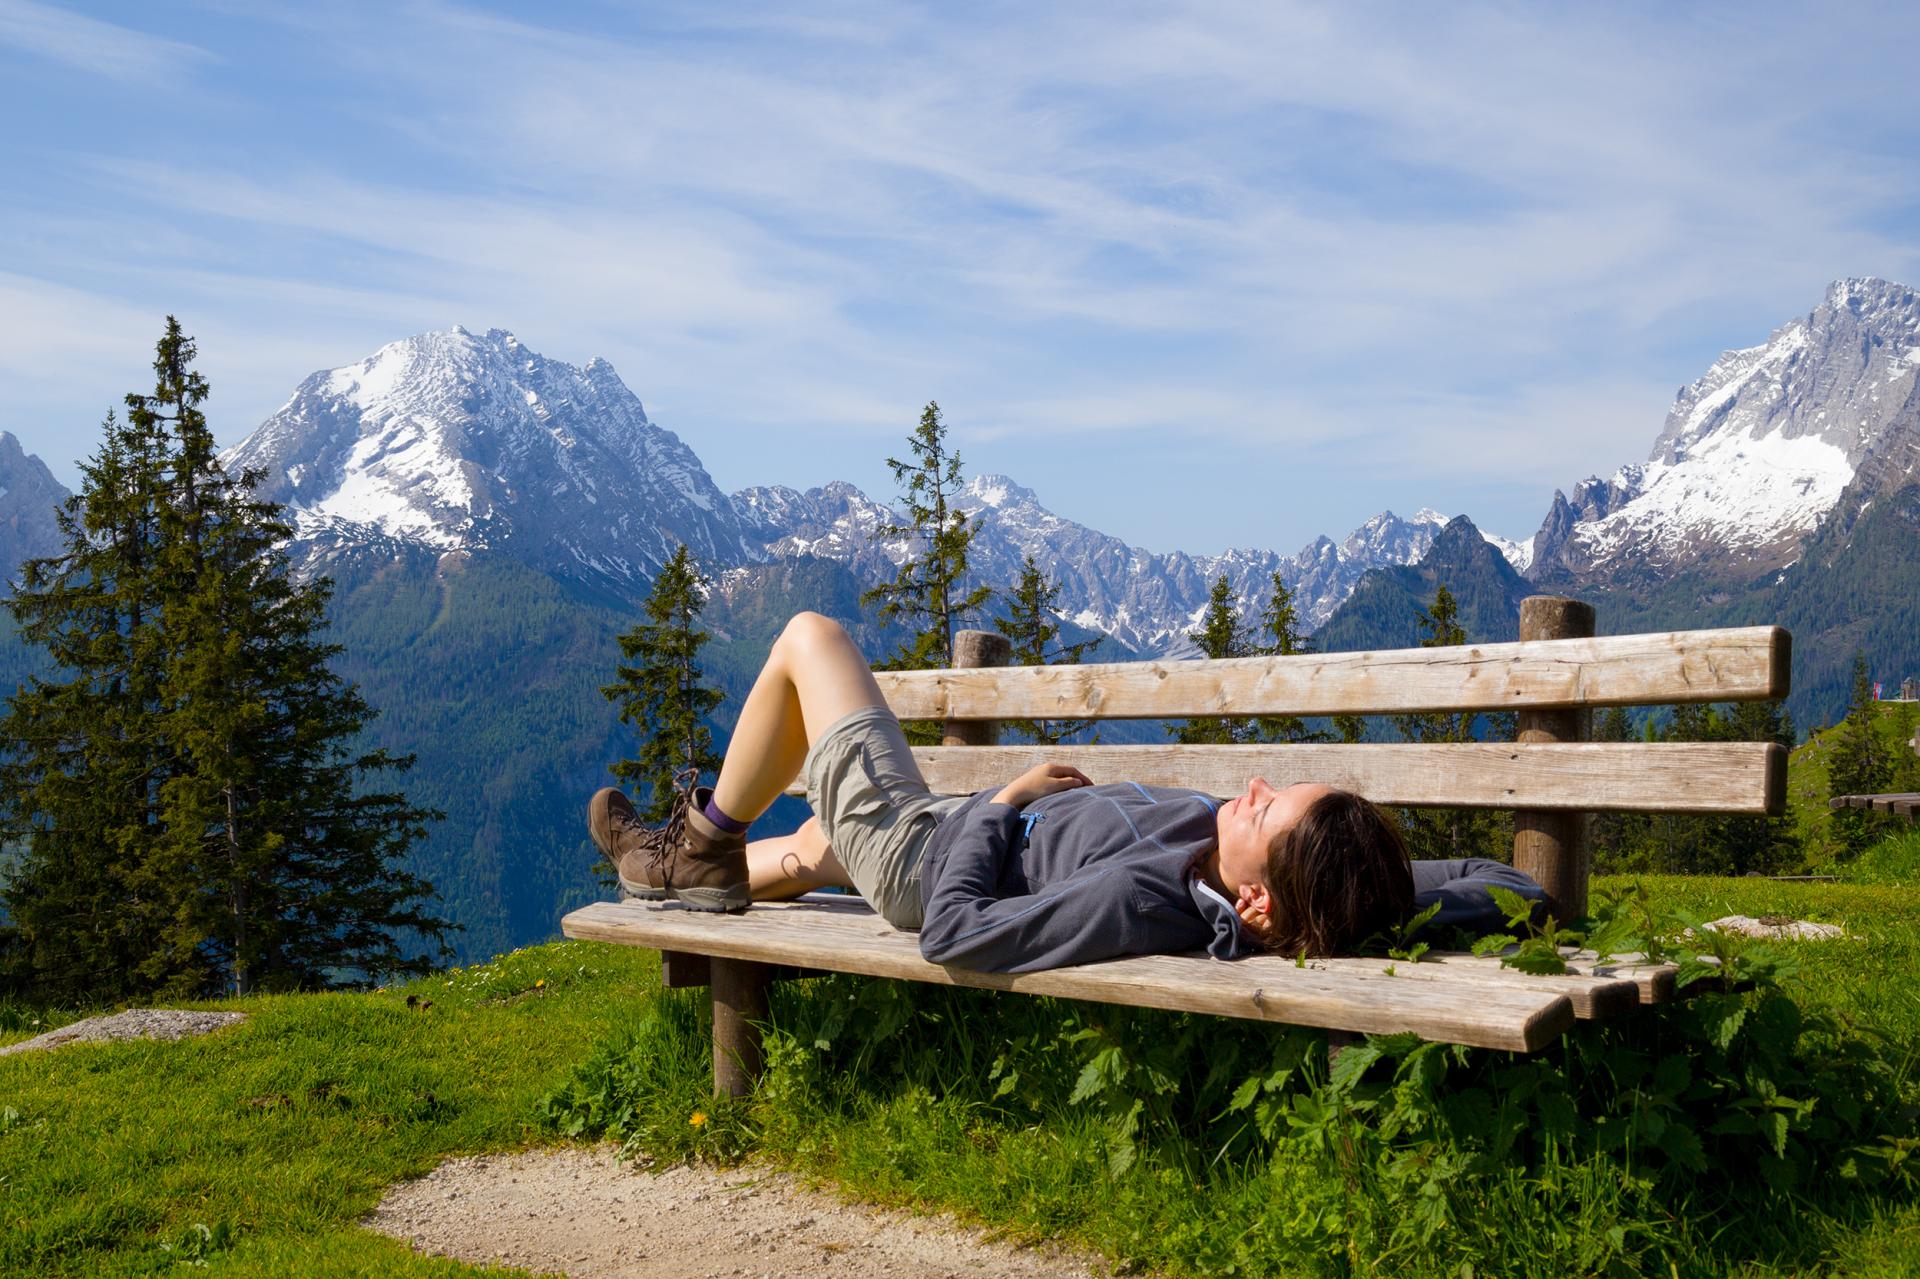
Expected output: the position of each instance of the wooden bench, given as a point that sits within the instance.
(1551, 777)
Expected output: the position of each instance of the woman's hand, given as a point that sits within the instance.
(1039, 781)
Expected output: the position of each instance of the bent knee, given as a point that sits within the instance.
(807, 629)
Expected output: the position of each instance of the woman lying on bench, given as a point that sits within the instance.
(1050, 870)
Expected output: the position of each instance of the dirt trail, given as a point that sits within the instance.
(582, 1214)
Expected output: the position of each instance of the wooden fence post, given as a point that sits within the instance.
(972, 649)
(1552, 846)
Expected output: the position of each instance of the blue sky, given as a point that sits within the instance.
(1206, 275)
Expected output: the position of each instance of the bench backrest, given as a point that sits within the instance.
(1551, 776)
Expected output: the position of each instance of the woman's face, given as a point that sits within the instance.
(1249, 823)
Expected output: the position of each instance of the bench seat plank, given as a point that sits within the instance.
(1656, 777)
(1738, 664)
(1484, 1008)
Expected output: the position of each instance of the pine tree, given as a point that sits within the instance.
(1221, 634)
(1440, 627)
(80, 774)
(1456, 832)
(1280, 637)
(928, 595)
(1033, 628)
(660, 691)
(1860, 764)
(199, 736)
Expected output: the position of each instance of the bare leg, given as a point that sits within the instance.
(789, 865)
(814, 677)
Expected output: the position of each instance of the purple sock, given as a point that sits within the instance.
(713, 814)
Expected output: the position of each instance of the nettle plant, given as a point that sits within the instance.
(1738, 1081)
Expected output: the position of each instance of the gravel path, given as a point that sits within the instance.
(582, 1214)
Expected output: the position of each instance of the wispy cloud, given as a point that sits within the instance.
(1460, 241)
(90, 45)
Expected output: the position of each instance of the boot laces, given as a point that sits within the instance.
(665, 839)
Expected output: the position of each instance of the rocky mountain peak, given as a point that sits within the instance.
(457, 440)
(1387, 537)
(994, 491)
(1755, 453)
(1829, 375)
(29, 496)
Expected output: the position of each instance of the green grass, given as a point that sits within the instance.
(1110, 1128)
(1871, 976)
(280, 1133)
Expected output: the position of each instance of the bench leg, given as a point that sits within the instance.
(739, 1006)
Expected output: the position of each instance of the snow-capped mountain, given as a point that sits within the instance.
(1757, 452)
(459, 440)
(1147, 601)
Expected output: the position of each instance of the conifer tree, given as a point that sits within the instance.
(660, 690)
(927, 595)
(1860, 764)
(1280, 637)
(195, 731)
(1221, 634)
(1033, 629)
(80, 772)
(1457, 832)
(1440, 628)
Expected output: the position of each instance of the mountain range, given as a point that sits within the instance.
(462, 441)
(491, 517)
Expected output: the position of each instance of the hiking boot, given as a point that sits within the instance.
(618, 831)
(688, 859)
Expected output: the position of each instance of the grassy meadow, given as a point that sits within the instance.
(1168, 1143)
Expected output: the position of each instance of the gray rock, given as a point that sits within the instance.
(134, 1023)
(1778, 928)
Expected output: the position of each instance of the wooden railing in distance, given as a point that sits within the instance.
(1905, 804)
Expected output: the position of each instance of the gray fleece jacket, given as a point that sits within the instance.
(1108, 870)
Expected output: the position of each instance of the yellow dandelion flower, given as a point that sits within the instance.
(537, 985)
(699, 1119)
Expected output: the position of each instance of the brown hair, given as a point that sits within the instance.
(1338, 875)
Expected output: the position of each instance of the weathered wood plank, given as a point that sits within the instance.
(1656, 777)
(848, 937)
(683, 970)
(1740, 664)
(1595, 995)
(1598, 990)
